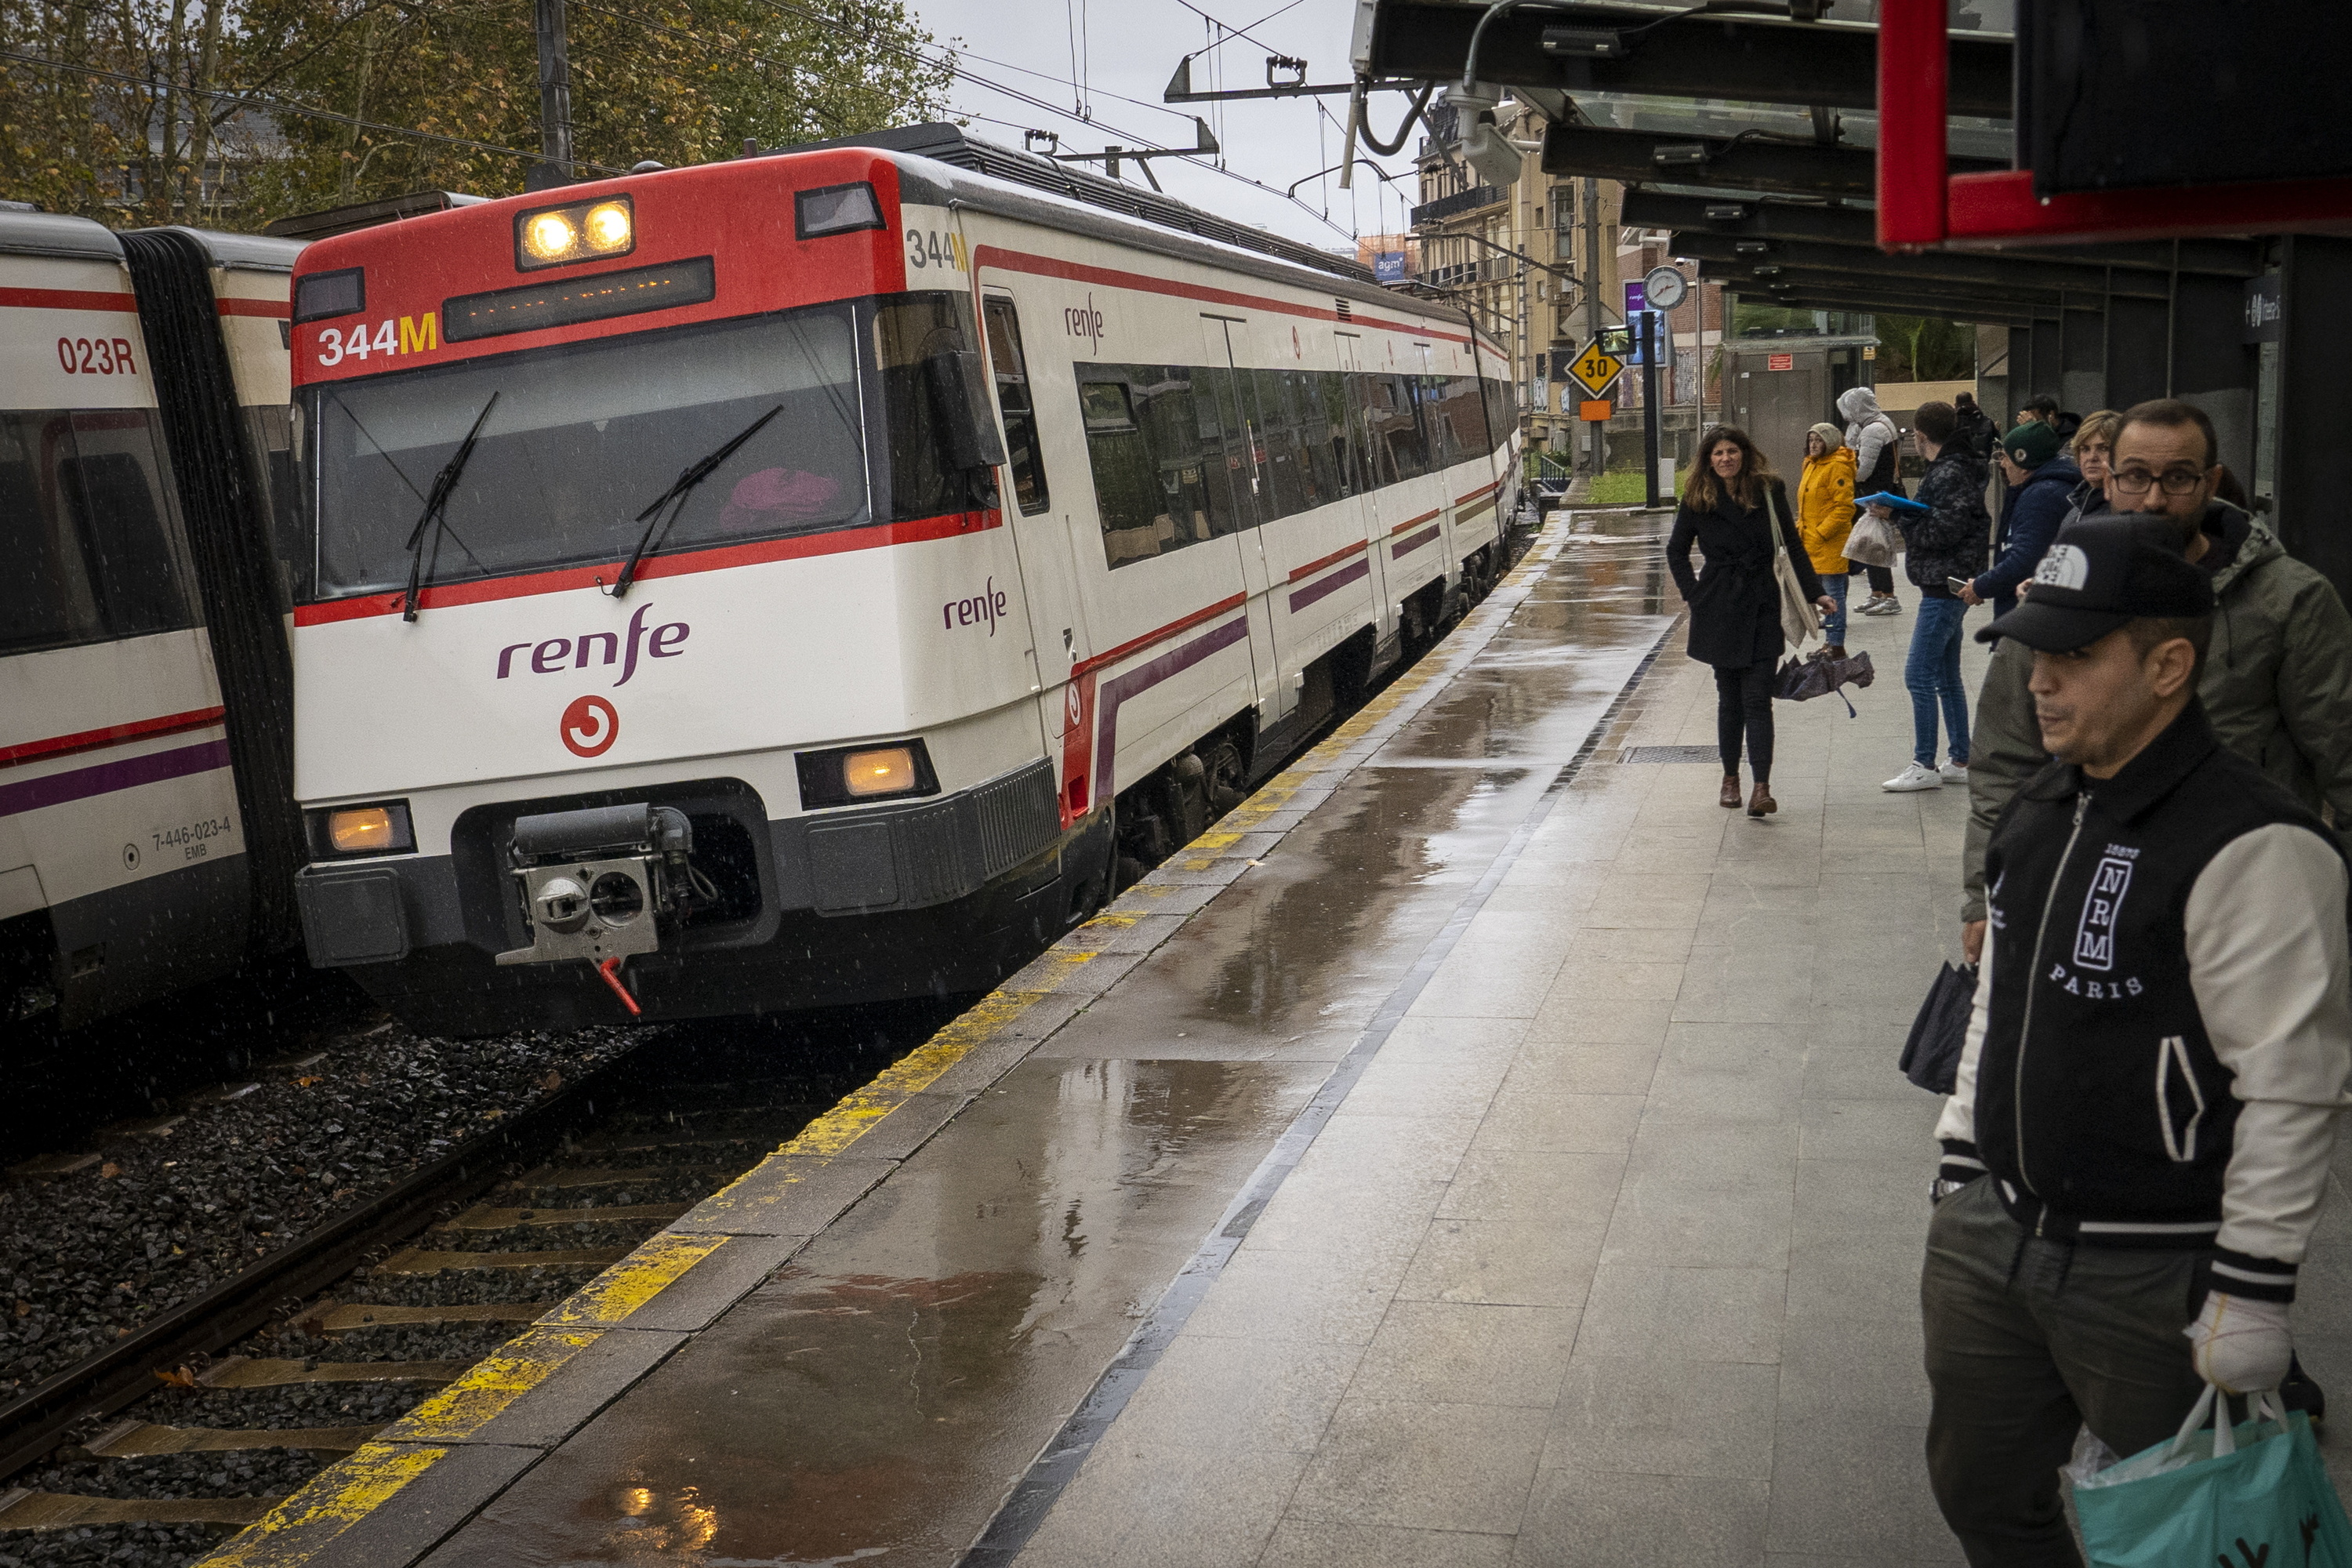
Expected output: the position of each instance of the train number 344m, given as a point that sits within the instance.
(405, 335)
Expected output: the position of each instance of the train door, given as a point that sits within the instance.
(1358, 445)
(1041, 539)
(1040, 534)
(1232, 404)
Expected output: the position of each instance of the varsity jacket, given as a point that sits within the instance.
(2161, 1036)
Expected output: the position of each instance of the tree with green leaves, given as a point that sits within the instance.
(1926, 348)
(234, 112)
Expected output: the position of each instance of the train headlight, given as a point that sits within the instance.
(610, 226)
(859, 773)
(342, 831)
(576, 231)
(550, 237)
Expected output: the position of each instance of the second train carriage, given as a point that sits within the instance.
(148, 836)
(805, 579)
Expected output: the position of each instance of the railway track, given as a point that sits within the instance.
(199, 1422)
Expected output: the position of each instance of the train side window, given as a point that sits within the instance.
(1278, 443)
(1135, 525)
(1024, 449)
(45, 599)
(1339, 432)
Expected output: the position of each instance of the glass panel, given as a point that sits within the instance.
(85, 522)
(586, 435)
(1024, 446)
(909, 335)
(1281, 464)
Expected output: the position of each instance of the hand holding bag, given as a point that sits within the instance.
(1871, 540)
(1800, 621)
(2252, 1495)
(1931, 1057)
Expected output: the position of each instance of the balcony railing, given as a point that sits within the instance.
(1461, 202)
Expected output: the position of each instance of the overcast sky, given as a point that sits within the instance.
(1126, 50)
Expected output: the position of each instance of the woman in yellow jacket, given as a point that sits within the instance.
(1825, 517)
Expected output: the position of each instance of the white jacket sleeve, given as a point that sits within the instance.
(2267, 962)
(1957, 1125)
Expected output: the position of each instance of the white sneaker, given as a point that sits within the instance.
(1954, 773)
(1914, 777)
(1889, 605)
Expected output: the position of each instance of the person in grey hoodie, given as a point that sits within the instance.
(1874, 438)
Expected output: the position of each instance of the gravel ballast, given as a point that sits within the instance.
(86, 1258)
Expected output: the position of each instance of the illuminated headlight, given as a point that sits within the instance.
(856, 774)
(579, 231)
(342, 831)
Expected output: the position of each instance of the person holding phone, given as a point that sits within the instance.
(2041, 480)
(1944, 548)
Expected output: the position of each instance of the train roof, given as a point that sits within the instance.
(61, 234)
(992, 179)
(56, 234)
(246, 252)
(950, 144)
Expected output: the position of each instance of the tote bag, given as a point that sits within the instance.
(1800, 621)
(2252, 1495)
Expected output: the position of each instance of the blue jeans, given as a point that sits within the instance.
(1932, 672)
(1833, 622)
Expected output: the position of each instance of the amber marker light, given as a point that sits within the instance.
(608, 226)
(368, 829)
(890, 771)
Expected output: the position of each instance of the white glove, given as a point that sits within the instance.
(2241, 1346)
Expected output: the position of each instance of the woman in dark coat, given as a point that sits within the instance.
(1730, 500)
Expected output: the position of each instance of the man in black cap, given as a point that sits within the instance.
(2136, 1149)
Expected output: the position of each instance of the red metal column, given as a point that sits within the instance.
(1912, 56)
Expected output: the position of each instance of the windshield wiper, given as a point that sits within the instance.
(689, 476)
(443, 483)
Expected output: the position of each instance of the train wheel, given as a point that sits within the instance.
(1224, 774)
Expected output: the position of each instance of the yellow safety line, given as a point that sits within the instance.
(336, 1498)
(343, 1493)
(636, 1279)
(490, 1385)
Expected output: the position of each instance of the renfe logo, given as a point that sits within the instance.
(557, 654)
(589, 727)
(985, 606)
(1085, 323)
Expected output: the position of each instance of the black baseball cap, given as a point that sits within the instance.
(2101, 573)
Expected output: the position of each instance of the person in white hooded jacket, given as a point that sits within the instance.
(1874, 438)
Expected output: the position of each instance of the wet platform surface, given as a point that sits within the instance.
(879, 1396)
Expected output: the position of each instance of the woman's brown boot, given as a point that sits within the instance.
(1835, 649)
(1761, 803)
(1729, 798)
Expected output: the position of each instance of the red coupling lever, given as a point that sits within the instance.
(610, 973)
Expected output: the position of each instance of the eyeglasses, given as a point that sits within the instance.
(2175, 481)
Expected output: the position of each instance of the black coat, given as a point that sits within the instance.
(1735, 604)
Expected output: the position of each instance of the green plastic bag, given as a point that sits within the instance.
(2251, 1496)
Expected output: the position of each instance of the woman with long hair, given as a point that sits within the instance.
(1736, 510)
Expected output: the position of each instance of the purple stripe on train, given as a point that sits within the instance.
(1355, 572)
(1413, 542)
(105, 778)
(1144, 676)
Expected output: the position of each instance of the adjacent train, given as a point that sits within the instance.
(825, 575)
(148, 835)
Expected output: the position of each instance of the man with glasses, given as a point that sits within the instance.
(2276, 683)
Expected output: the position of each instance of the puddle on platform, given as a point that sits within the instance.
(883, 1392)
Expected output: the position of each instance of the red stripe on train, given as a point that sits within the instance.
(718, 559)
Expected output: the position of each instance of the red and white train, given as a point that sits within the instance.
(810, 578)
(148, 833)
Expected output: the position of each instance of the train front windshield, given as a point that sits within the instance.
(583, 436)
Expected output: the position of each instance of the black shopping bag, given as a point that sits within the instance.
(1931, 1057)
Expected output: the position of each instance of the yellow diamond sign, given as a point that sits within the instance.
(1595, 368)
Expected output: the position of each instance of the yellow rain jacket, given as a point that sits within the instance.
(1825, 508)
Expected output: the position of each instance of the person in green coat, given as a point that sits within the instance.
(2277, 683)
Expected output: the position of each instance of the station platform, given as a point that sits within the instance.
(1481, 1149)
